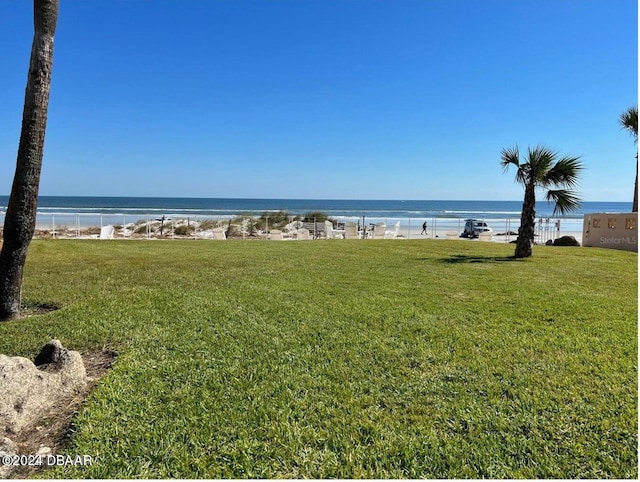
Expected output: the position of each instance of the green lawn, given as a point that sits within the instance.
(350, 359)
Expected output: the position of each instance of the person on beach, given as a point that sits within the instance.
(424, 228)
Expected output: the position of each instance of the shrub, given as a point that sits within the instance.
(183, 230)
(276, 219)
(317, 216)
(208, 224)
(566, 241)
(241, 217)
(245, 221)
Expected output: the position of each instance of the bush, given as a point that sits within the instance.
(208, 224)
(317, 216)
(276, 220)
(245, 221)
(566, 241)
(183, 230)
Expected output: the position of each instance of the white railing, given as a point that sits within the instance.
(179, 226)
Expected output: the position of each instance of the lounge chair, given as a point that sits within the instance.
(106, 232)
(315, 229)
(393, 234)
(351, 231)
(330, 232)
(378, 231)
(219, 233)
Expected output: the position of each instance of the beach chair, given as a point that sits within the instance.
(393, 234)
(329, 231)
(315, 229)
(378, 231)
(351, 231)
(219, 233)
(106, 232)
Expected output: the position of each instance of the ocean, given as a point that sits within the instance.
(141, 206)
(96, 211)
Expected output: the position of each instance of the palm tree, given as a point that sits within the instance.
(543, 168)
(629, 121)
(20, 218)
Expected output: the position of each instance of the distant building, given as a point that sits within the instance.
(611, 230)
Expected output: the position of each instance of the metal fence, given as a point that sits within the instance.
(180, 226)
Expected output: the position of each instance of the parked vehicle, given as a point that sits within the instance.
(473, 228)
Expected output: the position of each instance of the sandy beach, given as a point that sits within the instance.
(187, 228)
(194, 218)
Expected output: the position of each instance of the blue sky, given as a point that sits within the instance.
(336, 99)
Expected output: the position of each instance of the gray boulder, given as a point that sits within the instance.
(29, 389)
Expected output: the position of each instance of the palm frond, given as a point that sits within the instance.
(511, 157)
(629, 121)
(565, 201)
(564, 172)
(541, 158)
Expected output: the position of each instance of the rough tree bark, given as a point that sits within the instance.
(524, 244)
(635, 192)
(20, 218)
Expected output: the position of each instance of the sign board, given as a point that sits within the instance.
(611, 230)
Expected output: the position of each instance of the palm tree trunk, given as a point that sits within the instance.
(524, 244)
(20, 218)
(635, 192)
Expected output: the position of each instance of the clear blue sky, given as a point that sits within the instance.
(355, 99)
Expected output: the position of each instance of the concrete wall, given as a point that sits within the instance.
(611, 230)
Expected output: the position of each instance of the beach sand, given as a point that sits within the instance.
(495, 237)
(504, 231)
(43, 232)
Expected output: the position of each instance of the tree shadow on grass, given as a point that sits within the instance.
(30, 309)
(464, 258)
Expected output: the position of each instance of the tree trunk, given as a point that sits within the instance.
(635, 192)
(20, 218)
(524, 244)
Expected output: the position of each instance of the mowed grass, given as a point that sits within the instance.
(349, 359)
